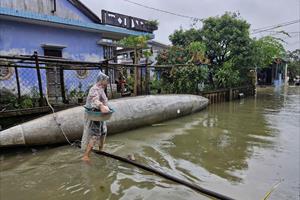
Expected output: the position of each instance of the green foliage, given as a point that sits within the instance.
(135, 42)
(294, 64)
(266, 50)
(184, 38)
(225, 37)
(78, 93)
(173, 55)
(147, 54)
(153, 23)
(155, 84)
(194, 53)
(26, 102)
(8, 99)
(224, 43)
(227, 77)
(221, 39)
(184, 79)
(130, 83)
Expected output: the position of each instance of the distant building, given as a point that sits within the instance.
(125, 56)
(60, 28)
(274, 74)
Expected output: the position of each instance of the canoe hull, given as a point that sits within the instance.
(131, 113)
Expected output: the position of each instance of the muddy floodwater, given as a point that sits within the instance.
(243, 149)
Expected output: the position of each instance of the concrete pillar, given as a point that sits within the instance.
(285, 74)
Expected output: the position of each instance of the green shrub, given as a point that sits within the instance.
(184, 79)
(227, 77)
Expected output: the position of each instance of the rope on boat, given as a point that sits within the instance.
(166, 176)
(55, 118)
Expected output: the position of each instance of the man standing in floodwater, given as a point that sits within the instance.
(94, 132)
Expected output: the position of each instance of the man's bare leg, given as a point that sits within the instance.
(86, 155)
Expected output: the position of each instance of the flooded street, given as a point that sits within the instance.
(240, 149)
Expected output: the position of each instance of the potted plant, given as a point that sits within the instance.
(152, 25)
(80, 96)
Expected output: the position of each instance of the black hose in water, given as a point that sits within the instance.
(167, 176)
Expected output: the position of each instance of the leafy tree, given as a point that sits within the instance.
(184, 38)
(266, 50)
(224, 43)
(173, 55)
(194, 53)
(225, 37)
(294, 64)
(184, 79)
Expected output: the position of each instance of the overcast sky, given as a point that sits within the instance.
(259, 13)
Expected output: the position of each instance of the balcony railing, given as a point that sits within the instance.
(125, 21)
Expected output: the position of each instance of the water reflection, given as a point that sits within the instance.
(224, 140)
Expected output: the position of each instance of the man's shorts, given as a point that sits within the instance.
(92, 130)
(97, 128)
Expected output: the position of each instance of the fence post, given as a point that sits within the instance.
(18, 83)
(105, 65)
(39, 78)
(141, 81)
(147, 79)
(62, 84)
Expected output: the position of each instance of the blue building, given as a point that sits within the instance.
(60, 28)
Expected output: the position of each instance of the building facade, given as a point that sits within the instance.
(59, 28)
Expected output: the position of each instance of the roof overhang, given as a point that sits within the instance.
(106, 31)
(53, 46)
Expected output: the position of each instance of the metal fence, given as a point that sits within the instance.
(25, 81)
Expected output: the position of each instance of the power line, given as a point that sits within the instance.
(260, 30)
(254, 31)
(282, 31)
(164, 11)
(257, 29)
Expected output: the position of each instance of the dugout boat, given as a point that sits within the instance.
(130, 113)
